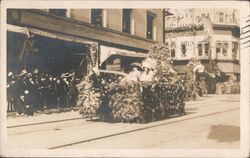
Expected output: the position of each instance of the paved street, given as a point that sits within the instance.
(212, 122)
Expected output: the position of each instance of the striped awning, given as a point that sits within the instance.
(106, 52)
(180, 69)
(26, 30)
(226, 67)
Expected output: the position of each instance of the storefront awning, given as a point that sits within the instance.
(226, 67)
(180, 69)
(106, 52)
(26, 30)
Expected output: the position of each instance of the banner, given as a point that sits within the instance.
(28, 47)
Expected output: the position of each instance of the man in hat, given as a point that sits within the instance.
(73, 92)
(189, 80)
(56, 88)
(63, 89)
(35, 71)
(36, 77)
(203, 85)
(21, 86)
(43, 89)
(11, 93)
(31, 87)
(51, 91)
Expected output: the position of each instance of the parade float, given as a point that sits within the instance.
(158, 94)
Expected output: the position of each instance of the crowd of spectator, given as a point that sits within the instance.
(32, 91)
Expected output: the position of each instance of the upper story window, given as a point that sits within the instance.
(207, 48)
(126, 20)
(172, 49)
(183, 50)
(150, 24)
(226, 18)
(218, 47)
(203, 15)
(58, 12)
(222, 47)
(235, 47)
(200, 49)
(96, 17)
(221, 17)
(172, 53)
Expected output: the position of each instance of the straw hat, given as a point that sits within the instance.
(23, 72)
(10, 73)
(35, 71)
(29, 75)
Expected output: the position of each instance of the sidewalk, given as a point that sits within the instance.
(43, 118)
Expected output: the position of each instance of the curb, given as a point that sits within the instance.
(47, 111)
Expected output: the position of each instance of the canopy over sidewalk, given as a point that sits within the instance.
(106, 52)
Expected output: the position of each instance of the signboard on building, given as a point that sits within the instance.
(113, 67)
(183, 22)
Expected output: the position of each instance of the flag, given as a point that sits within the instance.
(28, 47)
(93, 50)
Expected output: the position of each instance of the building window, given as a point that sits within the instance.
(150, 22)
(172, 48)
(234, 49)
(203, 15)
(96, 17)
(58, 12)
(172, 53)
(221, 17)
(226, 18)
(224, 49)
(126, 20)
(200, 49)
(183, 50)
(218, 47)
(207, 48)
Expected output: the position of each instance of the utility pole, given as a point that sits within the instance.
(164, 25)
(191, 11)
(193, 29)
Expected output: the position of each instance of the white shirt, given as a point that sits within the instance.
(133, 76)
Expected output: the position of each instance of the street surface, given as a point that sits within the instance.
(211, 122)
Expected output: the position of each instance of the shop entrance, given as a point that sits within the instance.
(52, 56)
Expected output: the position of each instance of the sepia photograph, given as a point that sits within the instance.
(112, 79)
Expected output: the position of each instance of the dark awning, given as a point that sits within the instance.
(54, 35)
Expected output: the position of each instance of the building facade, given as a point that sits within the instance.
(122, 36)
(211, 35)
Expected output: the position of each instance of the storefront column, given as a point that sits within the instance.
(133, 26)
(68, 13)
(105, 16)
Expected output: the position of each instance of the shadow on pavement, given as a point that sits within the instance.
(189, 111)
(224, 133)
